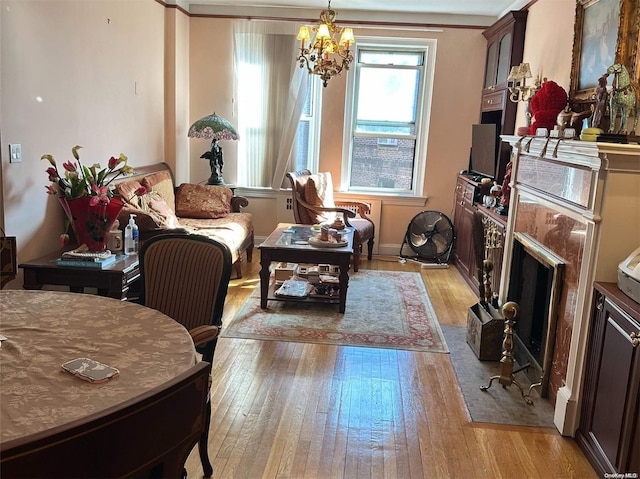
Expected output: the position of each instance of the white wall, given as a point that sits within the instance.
(87, 73)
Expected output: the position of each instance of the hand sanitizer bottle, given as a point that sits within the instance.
(131, 236)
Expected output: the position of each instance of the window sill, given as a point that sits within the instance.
(391, 199)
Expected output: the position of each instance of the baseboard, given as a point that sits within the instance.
(566, 411)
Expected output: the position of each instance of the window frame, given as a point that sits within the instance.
(423, 112)
(314, 119)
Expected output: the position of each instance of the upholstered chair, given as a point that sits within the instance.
(186, 277)
(313, 203)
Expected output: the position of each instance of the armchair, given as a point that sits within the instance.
(313, 203)
(186, 277)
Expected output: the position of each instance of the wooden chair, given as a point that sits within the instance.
(313, 203)
(8, 269)
(186, 277)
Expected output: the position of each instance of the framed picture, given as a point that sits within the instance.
(605, 32)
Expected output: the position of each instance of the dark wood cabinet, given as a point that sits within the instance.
(463, 253)
(468, 195)
(609, 433)
(505, 46)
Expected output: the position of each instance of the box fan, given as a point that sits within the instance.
(430, 237)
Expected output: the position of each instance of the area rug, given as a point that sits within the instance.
(385, 309)
(496, 405)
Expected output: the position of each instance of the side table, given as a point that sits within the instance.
(117, 281)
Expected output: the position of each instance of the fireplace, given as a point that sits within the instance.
(535, 281)
(574, 216)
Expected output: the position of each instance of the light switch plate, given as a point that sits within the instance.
(15, 153)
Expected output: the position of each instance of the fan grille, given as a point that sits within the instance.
(430, 235)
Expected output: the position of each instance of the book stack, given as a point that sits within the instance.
(86, 259)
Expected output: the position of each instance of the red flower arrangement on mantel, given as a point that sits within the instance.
(87, 196)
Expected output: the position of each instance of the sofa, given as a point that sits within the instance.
(208, 210)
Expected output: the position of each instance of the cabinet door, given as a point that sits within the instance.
(492, 65)
(611, 402)
(463, 223)
(504, 59)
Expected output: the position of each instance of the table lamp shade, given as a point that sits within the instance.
(213, 127)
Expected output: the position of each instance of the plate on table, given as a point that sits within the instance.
(318, 243)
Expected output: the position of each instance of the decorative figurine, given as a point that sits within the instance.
(602, 99)
(215, 162)
(623, 99)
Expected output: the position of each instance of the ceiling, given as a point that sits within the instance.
(486, 9)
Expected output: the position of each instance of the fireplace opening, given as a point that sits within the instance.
(534, 283)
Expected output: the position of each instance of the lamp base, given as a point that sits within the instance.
(215, 162)
(216, 179)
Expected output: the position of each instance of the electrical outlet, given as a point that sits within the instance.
(15, 153)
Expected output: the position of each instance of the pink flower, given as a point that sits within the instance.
(69, 166)
(52, 189)
(113, 162)
(101, 195)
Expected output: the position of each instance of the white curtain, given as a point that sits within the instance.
(270, 94)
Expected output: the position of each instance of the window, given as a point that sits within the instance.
(277, 106)
(306, 150)
(386, 126)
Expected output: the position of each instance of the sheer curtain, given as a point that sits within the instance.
(270, 94)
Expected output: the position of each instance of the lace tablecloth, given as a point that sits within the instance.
(45, 329)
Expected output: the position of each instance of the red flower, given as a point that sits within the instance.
(64, 240)
(53, 173)
(69, 166)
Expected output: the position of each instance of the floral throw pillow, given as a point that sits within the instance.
(203, 201)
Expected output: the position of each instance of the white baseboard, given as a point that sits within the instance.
(566, 413)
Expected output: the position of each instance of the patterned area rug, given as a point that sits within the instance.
(496, 405)
(385, 309)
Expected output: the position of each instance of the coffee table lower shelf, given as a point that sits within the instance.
(271, 296)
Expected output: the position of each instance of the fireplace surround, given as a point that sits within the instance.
(577, 204)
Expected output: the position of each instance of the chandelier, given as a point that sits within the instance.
(325, 56)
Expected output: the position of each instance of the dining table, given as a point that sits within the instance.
(42, 330)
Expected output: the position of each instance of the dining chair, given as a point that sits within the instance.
(313, 202)
(8, 269)
(186, 277)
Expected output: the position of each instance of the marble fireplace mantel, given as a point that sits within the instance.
(579, 201)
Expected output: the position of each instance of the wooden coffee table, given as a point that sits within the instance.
(292, 248)
(115, 281)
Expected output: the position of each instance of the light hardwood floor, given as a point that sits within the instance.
(294, 410)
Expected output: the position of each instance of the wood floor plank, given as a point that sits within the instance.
(292, 410)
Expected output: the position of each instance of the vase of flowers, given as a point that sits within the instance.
(91, 223)
(87, 197)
